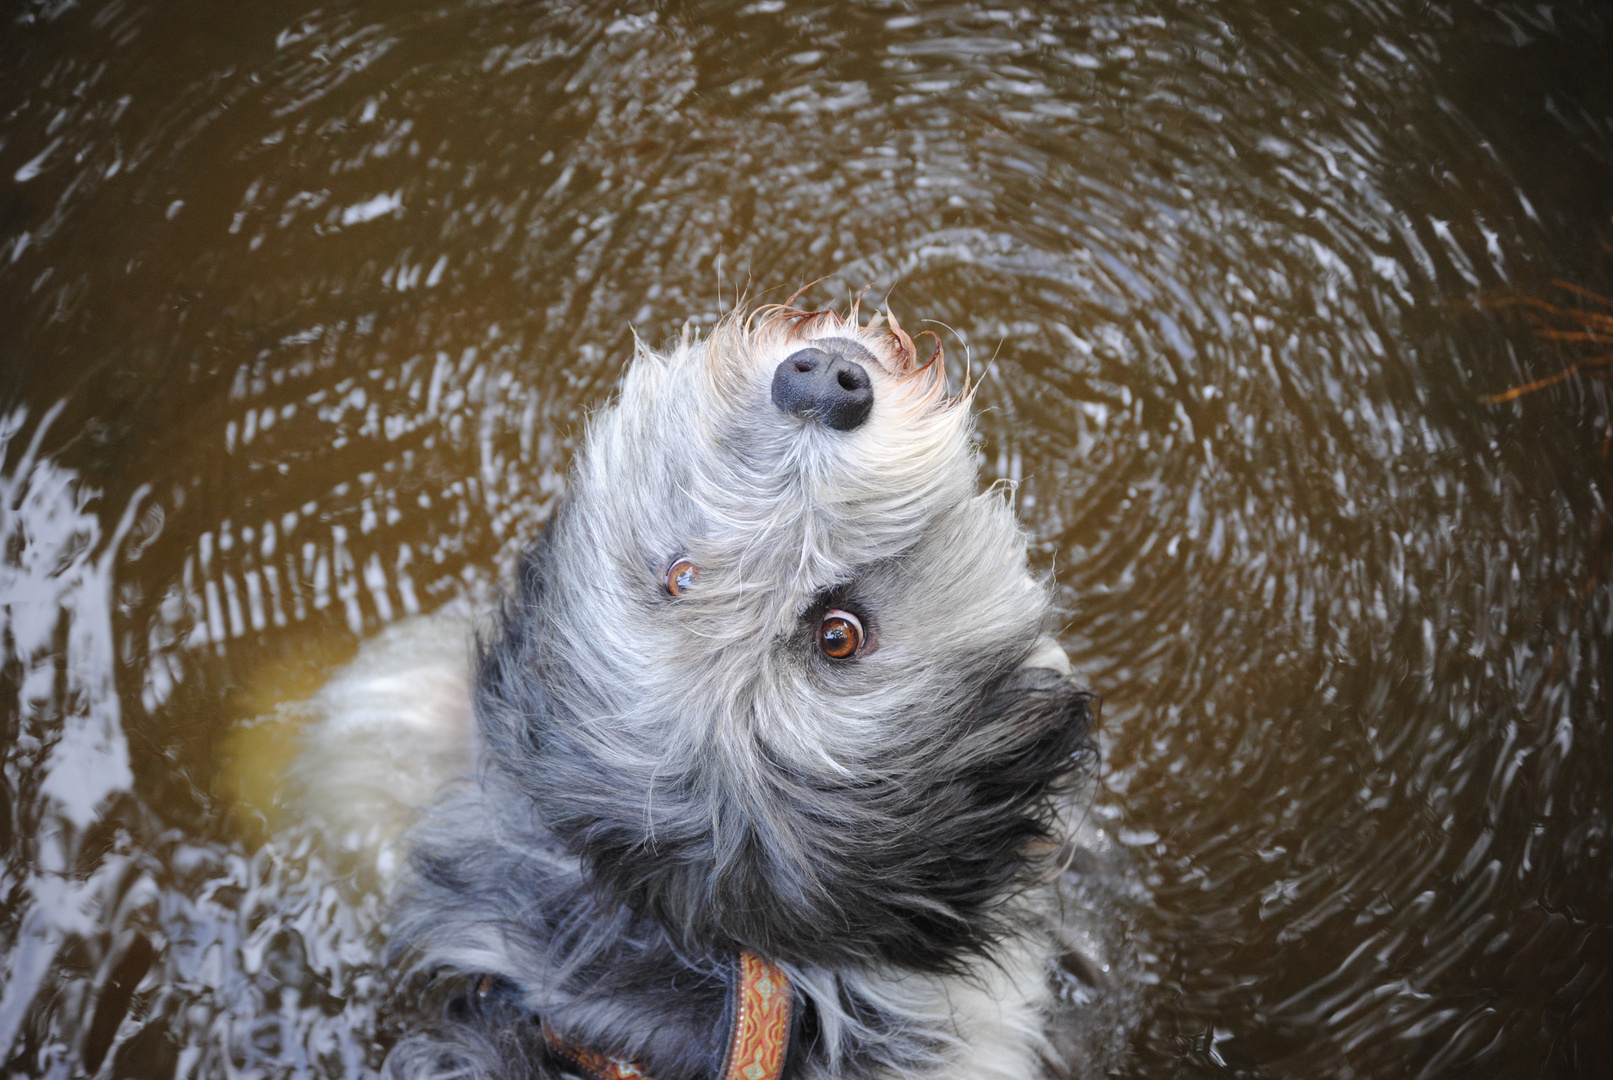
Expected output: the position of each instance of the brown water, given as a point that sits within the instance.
(301, 307)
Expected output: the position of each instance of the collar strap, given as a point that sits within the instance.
(759, 1040)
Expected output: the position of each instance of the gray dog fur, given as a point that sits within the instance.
(666, 780)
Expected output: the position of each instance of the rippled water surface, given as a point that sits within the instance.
(301, 309)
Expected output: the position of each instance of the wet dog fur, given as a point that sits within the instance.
(664, 780)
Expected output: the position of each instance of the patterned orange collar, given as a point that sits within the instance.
(760, 1039)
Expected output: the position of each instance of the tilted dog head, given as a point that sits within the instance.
(765, 670)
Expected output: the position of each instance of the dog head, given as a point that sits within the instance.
(765, 671)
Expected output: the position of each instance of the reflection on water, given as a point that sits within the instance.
(303, 308)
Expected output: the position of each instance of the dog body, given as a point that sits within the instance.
(775, 680)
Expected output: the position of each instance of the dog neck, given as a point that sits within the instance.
(758, 1014)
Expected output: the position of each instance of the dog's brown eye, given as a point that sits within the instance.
(680, 575)
(840, 635)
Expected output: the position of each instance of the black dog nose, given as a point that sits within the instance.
(816, 384)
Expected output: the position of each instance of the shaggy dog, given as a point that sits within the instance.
(772, 744)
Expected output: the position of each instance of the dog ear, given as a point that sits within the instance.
(1026, 746)
(912, 868)
(1031, 734)
(508, 694)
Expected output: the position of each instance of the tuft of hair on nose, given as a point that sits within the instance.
(822, 382)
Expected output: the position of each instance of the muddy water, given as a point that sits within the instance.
(301, 308)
